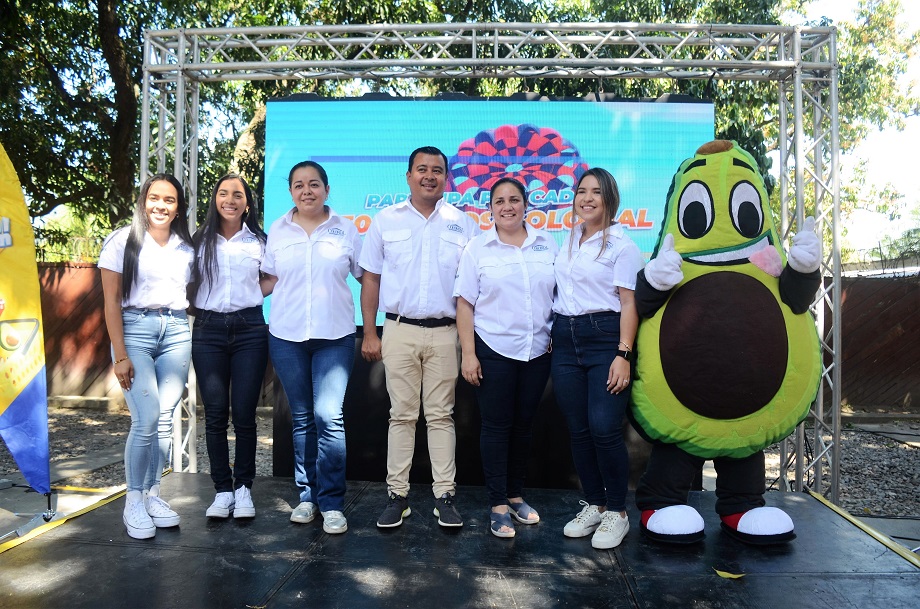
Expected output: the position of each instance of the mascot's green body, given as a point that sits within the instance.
(728, 355)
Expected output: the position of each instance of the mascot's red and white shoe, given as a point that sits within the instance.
(673, 524)
(760, 526)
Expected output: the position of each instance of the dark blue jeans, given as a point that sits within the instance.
(314, 374)
(508, 394)
(230, 352)
(583, 349)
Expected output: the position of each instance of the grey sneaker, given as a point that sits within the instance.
(585, 523)
(447, 514)
(334, 522)
(611, 532)
(304, 512)
(397, 508)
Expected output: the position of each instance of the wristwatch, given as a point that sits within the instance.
(624, 354)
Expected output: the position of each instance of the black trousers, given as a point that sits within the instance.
(740, 483)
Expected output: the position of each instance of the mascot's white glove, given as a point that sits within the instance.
(805, 252)
(663, 271)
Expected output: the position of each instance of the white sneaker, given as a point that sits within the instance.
(334, 522)
(305, 512)
(160, 512)
(222, 506)
(611, 532)
(587, 520)
(244, 507)
(136, 519)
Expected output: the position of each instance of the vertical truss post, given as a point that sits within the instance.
(836, 292)
(184, 444)
(801, 60)
(190, 403)
(798, 152)
(145, 115)
(783, 145)
(818, 308)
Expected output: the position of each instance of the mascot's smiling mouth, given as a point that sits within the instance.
(739, 254)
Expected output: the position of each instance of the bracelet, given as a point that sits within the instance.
(118, 361)
(625, 346)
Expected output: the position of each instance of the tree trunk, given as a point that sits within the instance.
(121, 136)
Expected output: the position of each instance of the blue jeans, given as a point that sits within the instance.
(314, 374)
(159, 345)
(508, 394)
(583, 349)
(230, 352)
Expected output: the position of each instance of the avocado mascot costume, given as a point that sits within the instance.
(728, 360)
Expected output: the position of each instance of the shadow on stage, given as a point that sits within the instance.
(89, 561)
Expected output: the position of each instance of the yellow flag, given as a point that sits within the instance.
(23, 388)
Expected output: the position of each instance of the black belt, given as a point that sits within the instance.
(431, 322)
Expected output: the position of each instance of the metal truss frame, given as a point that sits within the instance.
(802, 61)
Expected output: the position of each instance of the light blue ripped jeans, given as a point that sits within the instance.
(159, 345)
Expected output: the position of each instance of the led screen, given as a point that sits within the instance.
(364, 146)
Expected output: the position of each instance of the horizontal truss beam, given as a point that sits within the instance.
(492, 50)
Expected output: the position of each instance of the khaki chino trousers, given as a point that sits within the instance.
(421, 366)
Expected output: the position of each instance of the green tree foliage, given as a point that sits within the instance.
(70, 74)
(69, 102)
(874, 52)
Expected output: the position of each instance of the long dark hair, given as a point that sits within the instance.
(610, 195)
(206, 236)
(139, 225)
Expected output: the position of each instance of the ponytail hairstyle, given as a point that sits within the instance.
(507, 180)
(319, 169)
(137, 231)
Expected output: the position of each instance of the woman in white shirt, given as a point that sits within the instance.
(311, 323)
(504, 291)
(145, 269)
(593, 332)
(230, 339)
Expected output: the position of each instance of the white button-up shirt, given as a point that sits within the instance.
(236, 274)
(311, 298)
(588, 283)
(163, 272)
(511, 290)
(417, 258)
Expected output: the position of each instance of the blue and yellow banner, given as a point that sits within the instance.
(23, 388)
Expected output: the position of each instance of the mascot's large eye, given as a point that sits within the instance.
(746, 209)
(695, 213)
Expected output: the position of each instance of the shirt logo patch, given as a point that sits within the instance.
(183, 247)
(249, 239)
(540, 248)
(336, 231)
(456, 228)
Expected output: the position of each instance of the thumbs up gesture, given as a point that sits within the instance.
(805, 252)
(663, 271)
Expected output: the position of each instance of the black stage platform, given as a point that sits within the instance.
(270, 562)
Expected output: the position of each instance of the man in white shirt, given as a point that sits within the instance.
(410, 257)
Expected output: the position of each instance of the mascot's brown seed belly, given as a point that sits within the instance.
(723, 345)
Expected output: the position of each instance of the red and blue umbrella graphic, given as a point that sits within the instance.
(539, 157)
